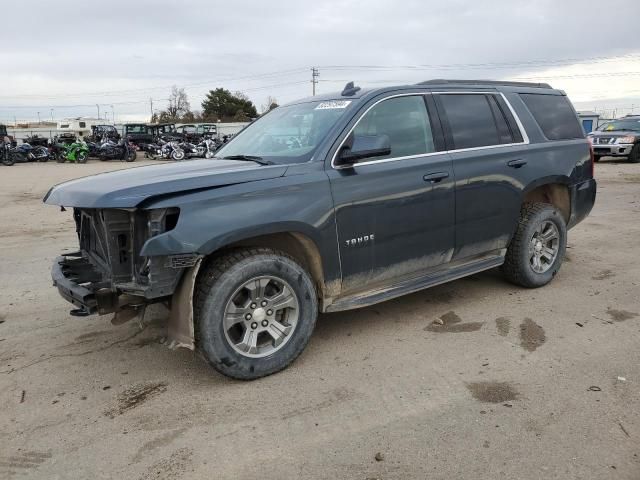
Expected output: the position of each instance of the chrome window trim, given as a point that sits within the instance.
(525, 137)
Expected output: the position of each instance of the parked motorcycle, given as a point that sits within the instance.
(164, 150)
(7, 159)
(28, 153)
(122, 150)
(76, 152)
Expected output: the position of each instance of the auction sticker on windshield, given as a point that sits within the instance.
(333, 104)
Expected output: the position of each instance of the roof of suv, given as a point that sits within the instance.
(356, 93)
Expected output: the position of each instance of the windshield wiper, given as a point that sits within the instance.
(249, 158)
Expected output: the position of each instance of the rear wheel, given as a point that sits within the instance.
(255, 310)
(634, 156)
(60, 157)
(536, 251)
(82, 157)
(131, 157)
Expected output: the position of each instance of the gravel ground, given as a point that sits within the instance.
(516, 383)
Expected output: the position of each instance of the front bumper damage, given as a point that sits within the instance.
(82, 285)
(108, 274)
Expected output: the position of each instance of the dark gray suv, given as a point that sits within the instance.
(327, 204)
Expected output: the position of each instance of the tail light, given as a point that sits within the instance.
(593, 162)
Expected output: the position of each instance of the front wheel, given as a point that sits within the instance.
(8, 160)
(536, 250)
(61, 157)
(131, 156)
(82, 157)
(634, 156)
(177, 155)
(255, 310)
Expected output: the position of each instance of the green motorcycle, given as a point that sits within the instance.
(76, 152)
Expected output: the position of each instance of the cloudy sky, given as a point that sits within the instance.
(63, 57)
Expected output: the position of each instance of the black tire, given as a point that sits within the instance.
(518, 266)
(634, 156)
(217, 283)
(81, 157)
(596, 158)
(60, 157)
(131, 157)
(8, 160)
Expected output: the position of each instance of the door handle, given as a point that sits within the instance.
(435, 177)
(517, 163)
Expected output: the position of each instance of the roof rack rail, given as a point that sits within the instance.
(486, 82)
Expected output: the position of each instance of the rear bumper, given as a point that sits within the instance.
(70, 274)
(583, 197)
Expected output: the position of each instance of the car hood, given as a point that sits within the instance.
(129, 187)
(616, 133)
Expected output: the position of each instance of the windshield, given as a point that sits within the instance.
(625, 125)
(136, 128)
(287, 134)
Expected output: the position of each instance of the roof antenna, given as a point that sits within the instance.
(349, 90)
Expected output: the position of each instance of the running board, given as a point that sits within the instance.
(414, 284)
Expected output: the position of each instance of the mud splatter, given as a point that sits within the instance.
(621, 315)
(172, 467)
(452, 323)
(503, 324)
(149, 341)
(136, 395)
(532, 335)
(493, 392)
(603, 275)
(91, 335)
(159, 442)
(22, 462)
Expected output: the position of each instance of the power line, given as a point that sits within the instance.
(461, 66)
(164, 87)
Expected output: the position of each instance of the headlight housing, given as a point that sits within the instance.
(627, 139)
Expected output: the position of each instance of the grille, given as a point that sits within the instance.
(112, 252)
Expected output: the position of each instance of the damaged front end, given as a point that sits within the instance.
(108, 274)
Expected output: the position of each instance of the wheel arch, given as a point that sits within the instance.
(296, 243)
(552, 190)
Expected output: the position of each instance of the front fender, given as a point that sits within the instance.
(213, 219)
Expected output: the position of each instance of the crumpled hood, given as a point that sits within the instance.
(129, 187)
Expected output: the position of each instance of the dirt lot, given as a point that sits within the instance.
(516, 384)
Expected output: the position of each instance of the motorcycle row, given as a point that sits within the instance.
(68, 148)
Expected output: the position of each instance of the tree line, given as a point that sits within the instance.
(219, 105)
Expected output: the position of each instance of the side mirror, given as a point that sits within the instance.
(359, 147)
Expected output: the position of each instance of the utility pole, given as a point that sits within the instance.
(52, 115)
(151, 106)
(314, 79)
(98, 110)
(39, 122)
(113, 115)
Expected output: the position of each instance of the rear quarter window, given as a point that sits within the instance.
(554, 114)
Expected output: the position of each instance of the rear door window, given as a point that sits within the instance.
(554, 114)
(471, 120)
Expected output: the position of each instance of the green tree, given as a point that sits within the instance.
(221, 104)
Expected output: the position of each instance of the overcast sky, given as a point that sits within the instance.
(70, 55)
